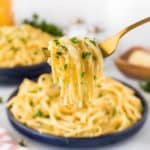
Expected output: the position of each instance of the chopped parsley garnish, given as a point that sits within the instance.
(100, 95)
(9, 40)
(92, 41)
(15, 49)
(43, 79)
(56, 42)
(94, 58)
(74, 40)
(99, 86)
(65, 66)
(45, 26)
(94, 77)
(40, 89)
(37, 114)
(1, 100)
(35, 52)
(141, 110)
(24, 40)
(114, 111)
(35, 16)
(145, 86)
(59, 53)
(64, 47)
(44, 48)
(82, 74)
(85, 55)
(21, 143)
(31, 103)
(47, 116)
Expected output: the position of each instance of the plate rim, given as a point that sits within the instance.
(23, 67)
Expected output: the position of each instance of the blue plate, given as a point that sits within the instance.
(81, 142)
(17, 74)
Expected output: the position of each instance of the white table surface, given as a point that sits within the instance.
(140, 141)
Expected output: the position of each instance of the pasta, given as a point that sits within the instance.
(77, 99)
(22, 46)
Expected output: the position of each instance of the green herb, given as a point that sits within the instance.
(9, 40)
(39, 122)
(64, 47)
(1, 100)
(100, 95)
(94, 58)
(141, 110)
(92, 41)
(59, 53)
(37, 114)
(47, 116)
(94, 77)
(82, 74)
(74, 40)
(35, 52)
(65, 66)
(99, 86)
(43, 79)
(35, 17)
(24, 40)
(145, 86)
(85, 55)
(114, 111)
(15, 49)
(40, 89)
(21, 143)
(56, 42)
(44, 48)
(31, 103)
(50, 28)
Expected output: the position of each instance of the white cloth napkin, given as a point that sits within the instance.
(7, 142)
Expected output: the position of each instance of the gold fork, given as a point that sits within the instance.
(109, 45)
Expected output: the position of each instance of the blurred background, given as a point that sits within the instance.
(110, 15)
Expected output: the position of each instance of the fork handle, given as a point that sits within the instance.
(138, 23)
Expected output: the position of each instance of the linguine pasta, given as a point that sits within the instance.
(22, 46)
(77, 99)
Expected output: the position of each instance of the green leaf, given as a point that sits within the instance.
(82, 74)
(35, 16)
(92, 41)
(35, 52)
(145, 86)
(114, 111)
(94, 77)
(15, 49)
(94, 58)
(45, 26)
(59, 53)
(21, 143)
(1, 100)
(65, 66)
(100, 95)
(37, 114)
(74, 40)
(85, 55)
(56, 42)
